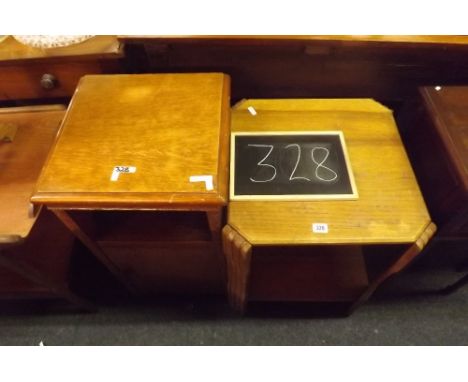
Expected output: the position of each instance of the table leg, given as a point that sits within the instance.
(238, 253)
(399, 264)
(70, 223)
(215, 221)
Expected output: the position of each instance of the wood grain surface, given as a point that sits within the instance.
(20, 164)
(389, 68)
(170, 127)
(435, 130)
(390, 208)
(389, 39)
(448, 107)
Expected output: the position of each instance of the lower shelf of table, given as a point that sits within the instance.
(314, 273)
(169, 267)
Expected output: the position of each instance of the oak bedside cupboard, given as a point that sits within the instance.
(139, 173)
(35, 248)
(330, 249)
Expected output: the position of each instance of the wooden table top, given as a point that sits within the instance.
(448, 106)
(168, 127)
(390, 208)
(97, 47)
(20, 164)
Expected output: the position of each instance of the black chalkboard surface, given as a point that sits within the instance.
(290, 165)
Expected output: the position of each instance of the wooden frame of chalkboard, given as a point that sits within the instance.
(291, 165)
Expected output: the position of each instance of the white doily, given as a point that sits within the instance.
(51, 41)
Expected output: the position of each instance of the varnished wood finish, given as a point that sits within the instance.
(387, 68)
(39, 267)
(167, 126)
(238, 255)
(436, 135)
(405, 39)
(22, 67)
(24, 81)
(35, 248)
(399, 264)
(21, 162)
(267, 240)
(154, 229)
(448, 109)
(380, 166)
(176, 268)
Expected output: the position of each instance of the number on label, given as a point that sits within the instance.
(261, 163)
(321, 166)
(320, 227)
(292, 177)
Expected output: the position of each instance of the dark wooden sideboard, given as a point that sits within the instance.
(435, 128)
(386, 68)
(28, 73)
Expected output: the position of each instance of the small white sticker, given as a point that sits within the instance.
(320, 227)
(121, 170)
(208, 179)
(252, 110)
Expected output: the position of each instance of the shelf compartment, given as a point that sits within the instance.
(313, 273)
(169, 268)
(145, 226)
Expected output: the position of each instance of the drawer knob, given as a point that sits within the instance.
(48, 81)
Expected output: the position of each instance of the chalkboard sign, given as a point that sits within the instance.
(290, 165)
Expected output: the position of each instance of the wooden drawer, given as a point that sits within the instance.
(22, 67)
(26, 81)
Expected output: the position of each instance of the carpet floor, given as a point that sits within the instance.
(406, 310)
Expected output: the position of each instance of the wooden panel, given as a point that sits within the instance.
(146, 226)
(389, 68)
(22, 67)
(21, 162)
(390, 208)
(24, 81)
(436, 174)
(406, 39)
(46, 251)
(316, 273)
(39, 267)
(12, 285)
(169, 127)
(436, 135)
(171, 267)
(448, 108)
